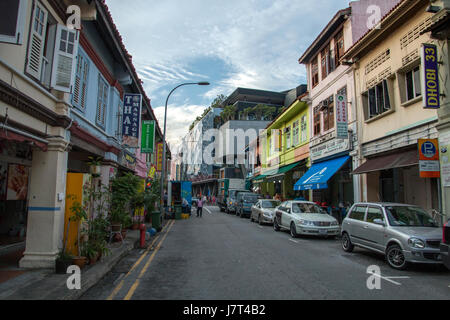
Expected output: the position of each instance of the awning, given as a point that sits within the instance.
(395, 160)
(277, 172)
(11, 134)
(318, 175)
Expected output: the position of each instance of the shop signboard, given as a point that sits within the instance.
(429, 158)
(329, 148)
(159, 156)
(430, 77)
(131, 119)
(341, 117)
(148, 136)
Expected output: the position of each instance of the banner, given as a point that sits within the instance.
(341, 117)
(131, 119)
(159, 156)
(148, 136)
(430, 77)
(429, 158)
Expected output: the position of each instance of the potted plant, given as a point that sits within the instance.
(79, 214)
(95, 166)
(88, 252)
(63, 261)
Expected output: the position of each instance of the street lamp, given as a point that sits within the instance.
(163, 172)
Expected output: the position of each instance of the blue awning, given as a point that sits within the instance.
(318, 175)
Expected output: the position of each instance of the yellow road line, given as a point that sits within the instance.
(136, 283)
(120, 285)
(132, 290)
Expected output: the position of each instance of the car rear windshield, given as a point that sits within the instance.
(404, 216)
(270, 204)
(306, 208)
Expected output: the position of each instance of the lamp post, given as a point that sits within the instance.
(163, 172)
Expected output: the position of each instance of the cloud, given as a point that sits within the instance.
(179, 118)
(233, 43)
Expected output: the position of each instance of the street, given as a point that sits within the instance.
(223, 257)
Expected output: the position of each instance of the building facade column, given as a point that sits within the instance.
(46, 206)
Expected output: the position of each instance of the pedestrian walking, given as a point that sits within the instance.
(200, 207)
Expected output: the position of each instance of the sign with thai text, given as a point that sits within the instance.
(430, 77)
(131, 119)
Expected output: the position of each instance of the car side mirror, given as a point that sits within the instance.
(379, 222)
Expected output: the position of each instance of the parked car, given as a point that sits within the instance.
(244, 203)
(445, 245)
(305, 218)
(263, 211)
(403, 233)
(231, 201)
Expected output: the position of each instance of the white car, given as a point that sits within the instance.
(264, 211)
(305, 218)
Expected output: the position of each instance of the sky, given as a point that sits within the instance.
(229, 43)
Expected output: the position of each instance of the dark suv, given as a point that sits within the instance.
(445, 245)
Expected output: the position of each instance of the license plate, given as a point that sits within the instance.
(323, 231)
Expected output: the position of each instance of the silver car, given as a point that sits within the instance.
(305, 218)
(403, 233)
(264, 211)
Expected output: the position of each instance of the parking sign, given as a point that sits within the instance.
(429, 158)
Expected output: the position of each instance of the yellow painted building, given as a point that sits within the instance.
(284, 151)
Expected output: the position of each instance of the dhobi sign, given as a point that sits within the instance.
(430, 79)
(131, 119)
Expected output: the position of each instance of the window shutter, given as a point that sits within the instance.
(66, 49)
(37, 41)
(80, 83)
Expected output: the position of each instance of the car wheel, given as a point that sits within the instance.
(396, 258)
(259, 220)
(294, 233)
(346, 243)
(276, 227)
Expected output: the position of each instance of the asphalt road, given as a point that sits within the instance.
(221, 256)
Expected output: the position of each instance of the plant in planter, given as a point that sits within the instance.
(89, 251)
(79, 214)
(95, 165)
(63, 261)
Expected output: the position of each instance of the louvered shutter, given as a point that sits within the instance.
(101, 101)
(66, 49)
(37, 41)
(80, 82)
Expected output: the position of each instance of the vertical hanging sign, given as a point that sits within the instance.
(159, 156)
(131, 119)
(148, 136)
(341, 117)
(430, 77)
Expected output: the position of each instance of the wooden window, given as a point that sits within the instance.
(288, 137)
(328, 113)
(317, 120)
(304, 129)
(315, 72)
(12, 20)
(413, 85)
(80, 85)
(378, 100)
(325, 61)
(295, 133)
(339, 47)
(37, 40)
(102, 101)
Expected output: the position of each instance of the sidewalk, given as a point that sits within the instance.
(47, 285)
